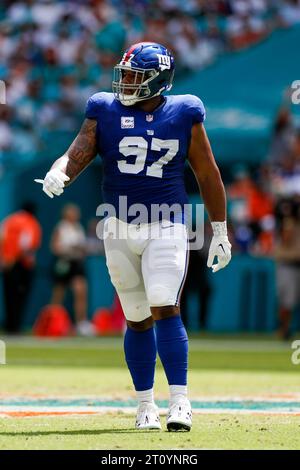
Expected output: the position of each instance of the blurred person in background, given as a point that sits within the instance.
(252, 213)
(285, 185)
(20, 238)
(285, 138)
(296, 147)
(6, 137)
(286, 179)
(68, 245)
(5, 131)
(287, 257)
(196, 283)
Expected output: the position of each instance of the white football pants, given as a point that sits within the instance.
(147, 264)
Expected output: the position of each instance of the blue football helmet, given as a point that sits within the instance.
(146, 70)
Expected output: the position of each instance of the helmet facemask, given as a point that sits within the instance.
(138, 89)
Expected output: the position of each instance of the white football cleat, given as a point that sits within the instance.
(179, 417)
(85, 328)
(147, 417)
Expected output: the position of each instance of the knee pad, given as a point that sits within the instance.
(122, 273)
(158, 295)
(135, 306)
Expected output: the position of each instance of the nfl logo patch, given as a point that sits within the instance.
(149, 117)
(127, 122)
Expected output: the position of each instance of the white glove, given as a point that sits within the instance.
(54, 182)
(219, 247)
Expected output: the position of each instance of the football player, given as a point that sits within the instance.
(144, 139)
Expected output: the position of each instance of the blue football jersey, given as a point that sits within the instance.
(144, 153)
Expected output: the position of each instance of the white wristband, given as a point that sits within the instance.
(219, 228)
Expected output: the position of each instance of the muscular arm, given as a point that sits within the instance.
(80, 153)
(207, 174)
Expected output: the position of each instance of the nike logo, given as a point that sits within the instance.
(222, 248)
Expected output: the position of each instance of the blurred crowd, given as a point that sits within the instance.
(262, 200)
(54, 54)
(264, 212)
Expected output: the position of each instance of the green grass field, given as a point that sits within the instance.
(219, 367)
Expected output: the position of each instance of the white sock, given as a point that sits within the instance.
(145, 396)
(177, 392)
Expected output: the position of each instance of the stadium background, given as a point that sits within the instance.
(239, 56)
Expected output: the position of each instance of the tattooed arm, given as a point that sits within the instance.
(79, 155)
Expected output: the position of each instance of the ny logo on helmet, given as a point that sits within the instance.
(127, 60)
(164, 62)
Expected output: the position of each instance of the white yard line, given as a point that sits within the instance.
(19, 411)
